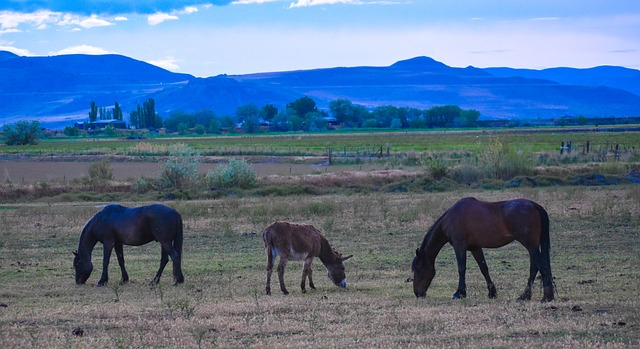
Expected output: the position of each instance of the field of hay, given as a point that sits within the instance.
(595, 253)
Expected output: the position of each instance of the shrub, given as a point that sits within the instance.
(181, 168)
(235, 174)
(500, 161)
(101, 170)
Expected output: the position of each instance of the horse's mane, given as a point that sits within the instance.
(429, 236)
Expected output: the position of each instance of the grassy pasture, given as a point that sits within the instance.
(595, 238)
(536, 140)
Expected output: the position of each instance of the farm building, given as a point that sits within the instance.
(100, 124)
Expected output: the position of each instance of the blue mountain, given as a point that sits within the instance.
(59, 89)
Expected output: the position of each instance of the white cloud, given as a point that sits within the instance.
(10, 19)
(82, 49)
(169, 63)
(12, 30)
(307, 3)
(189, 9)
(160, 17)
(93, 21)
(249, 2)
(121, 18)
(42, 19)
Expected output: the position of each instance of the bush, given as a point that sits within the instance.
(235, 174)
(181, 168)
(501, 162)
(101, 170)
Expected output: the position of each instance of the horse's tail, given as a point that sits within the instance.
(177, 245)
(545, 248)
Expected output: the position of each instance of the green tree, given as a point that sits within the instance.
(117, 112)
(248, 116)
(302, 106)
(443, 116)
(71, 131)
(22, 133)
(470, 118)
(347, 113)
(268, 112)
(93, 113)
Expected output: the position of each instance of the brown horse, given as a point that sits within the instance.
(301, 242)
(470, 225)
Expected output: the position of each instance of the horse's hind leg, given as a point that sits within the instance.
(479, 256)
(534, 257)
(120, 255)
(461, 257)
(164, 259)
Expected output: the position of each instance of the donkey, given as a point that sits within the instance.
(301, 242)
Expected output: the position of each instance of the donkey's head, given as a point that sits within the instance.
(335, 270)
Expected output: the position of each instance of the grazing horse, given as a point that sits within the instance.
(300, 242)
(115, 226)
(470, 225)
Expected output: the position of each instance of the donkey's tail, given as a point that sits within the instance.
(545, 248)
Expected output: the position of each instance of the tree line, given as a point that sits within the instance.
(301, 114)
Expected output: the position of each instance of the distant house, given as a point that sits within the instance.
(100, 125)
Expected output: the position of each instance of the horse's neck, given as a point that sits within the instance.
(433, 242)
(86, 244)
(327, 255)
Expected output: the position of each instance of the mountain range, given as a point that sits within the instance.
(58, 90)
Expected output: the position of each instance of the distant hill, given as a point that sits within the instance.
(59, 89)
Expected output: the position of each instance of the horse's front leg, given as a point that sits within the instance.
(106, 255)
(482, 263)
(461, 257)
(120, 255)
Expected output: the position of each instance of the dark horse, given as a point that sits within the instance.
(115, 226)
(470, 225)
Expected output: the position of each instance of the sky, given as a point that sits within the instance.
(208, 38)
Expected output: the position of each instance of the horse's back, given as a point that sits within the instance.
(493, 224)
(140, 225)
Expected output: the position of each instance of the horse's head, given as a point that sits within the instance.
(336, 271)
(83, 268)
(423, 273)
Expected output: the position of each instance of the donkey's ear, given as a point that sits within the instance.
(75, 253)
(347, 257)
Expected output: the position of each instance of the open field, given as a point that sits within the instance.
(595, 237)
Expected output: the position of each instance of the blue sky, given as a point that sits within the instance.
(207, 38)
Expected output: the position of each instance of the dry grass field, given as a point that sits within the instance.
(595, 237)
